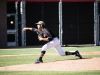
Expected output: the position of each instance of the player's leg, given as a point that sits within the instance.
(39, 60)
(48, 45)
(59, 49)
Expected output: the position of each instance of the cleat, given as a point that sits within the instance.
(78, 54)
(38, 61)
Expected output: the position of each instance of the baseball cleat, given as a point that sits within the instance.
(78, 54)
(38, 61)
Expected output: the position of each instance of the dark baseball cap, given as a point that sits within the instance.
(40, 22)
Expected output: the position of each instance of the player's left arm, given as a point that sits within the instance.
(43, 39)
(46, 37)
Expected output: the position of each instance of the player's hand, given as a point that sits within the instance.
(24, 29)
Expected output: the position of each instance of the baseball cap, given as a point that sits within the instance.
(41, 22)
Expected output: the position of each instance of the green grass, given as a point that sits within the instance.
(27, 59)
(35, 51)
(84, 49)
(49, 73)
(19, 51)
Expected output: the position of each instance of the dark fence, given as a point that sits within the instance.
(78, 21)
(41, 11)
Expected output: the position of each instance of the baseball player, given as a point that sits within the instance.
(45, 34)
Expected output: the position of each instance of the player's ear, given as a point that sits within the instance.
(42, 25)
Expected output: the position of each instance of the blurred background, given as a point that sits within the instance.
(78, 21)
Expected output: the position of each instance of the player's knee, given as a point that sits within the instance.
(62, 54)
(43, 52)
(44, 48)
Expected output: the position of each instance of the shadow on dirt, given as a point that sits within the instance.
(67, 59)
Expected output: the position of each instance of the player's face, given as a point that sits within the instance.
(39, 26)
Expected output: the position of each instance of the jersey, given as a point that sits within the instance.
(44, 33)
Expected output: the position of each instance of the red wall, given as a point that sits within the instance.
(54, 0)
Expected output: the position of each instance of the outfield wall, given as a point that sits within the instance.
(78, 21)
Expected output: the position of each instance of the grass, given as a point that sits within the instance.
(35, 51)
(49, 73)
(19, 51)
(27, 59)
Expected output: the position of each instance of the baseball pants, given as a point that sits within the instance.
(55, 43)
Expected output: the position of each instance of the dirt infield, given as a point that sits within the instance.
(67, 65)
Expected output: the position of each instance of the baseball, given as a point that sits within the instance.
(11, 22)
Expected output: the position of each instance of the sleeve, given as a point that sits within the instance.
(50, 35)
(34, 29)
(37, 31)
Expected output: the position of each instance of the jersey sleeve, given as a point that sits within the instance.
(37, 31)
(34, 29)
(51, 35)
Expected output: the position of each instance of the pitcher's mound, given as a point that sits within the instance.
(67, 65)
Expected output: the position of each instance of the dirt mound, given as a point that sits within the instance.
(67, 65)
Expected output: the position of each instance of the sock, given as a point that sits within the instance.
(70, 53)
(42, 54)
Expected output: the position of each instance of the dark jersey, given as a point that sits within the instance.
(45, 33)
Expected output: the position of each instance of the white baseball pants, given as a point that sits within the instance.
(55, 43)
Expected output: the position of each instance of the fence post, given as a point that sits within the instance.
(23, 22)
(60, 22)
(96, 23)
